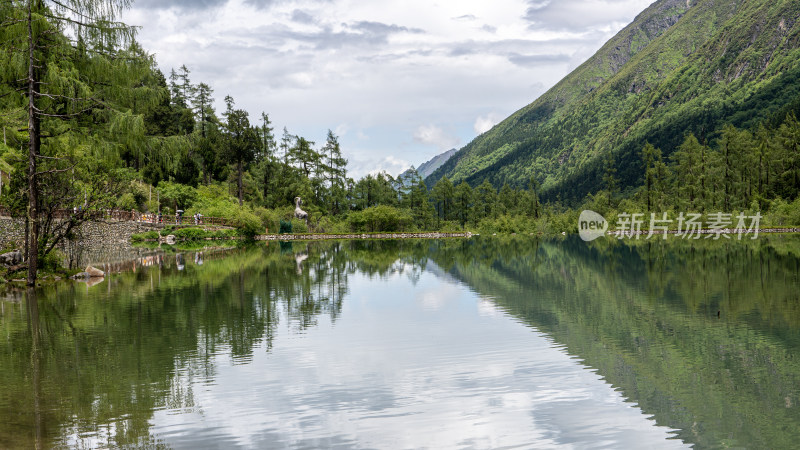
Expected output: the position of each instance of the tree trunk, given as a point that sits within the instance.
(239, 180)
(32, 243)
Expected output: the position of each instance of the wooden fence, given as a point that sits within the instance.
(114, 215)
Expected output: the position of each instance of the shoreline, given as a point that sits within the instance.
(704, 231)
(320, 236)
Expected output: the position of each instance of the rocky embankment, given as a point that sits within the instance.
(318, 237)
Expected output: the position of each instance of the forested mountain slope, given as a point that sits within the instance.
(681, 66)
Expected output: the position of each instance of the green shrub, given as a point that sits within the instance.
(191, 233)
(270, 219)
(380, 218)
(146, 236)
(52, 262)
(176, 196)
(299, 226)
(450, 226)
(223, 234)
(506, 224)
(126, 202)
(563, 222)
(330, 225)
(782, 214)
(214, 201)
(285, 227)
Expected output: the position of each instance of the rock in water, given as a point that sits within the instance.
(11, 258)
(94, 272)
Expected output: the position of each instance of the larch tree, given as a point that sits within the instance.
(207, 129)
(534, 205)
(464, 199)
(265, 158)
(442, 196)
(688, 171)
(242, 142)
(651, 158)
(303, 155)
(69, 65)
(335, 172)
(610, 180)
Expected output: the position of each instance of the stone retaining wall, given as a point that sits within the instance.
(12, 231)
(316, 237)
(90, 234)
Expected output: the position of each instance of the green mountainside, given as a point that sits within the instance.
(682, 66)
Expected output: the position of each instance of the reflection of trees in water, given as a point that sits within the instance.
(307, 281)
(645, 315)
(114, 353)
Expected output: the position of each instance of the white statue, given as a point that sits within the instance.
(298, 212)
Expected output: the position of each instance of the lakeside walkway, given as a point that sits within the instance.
(115, 215)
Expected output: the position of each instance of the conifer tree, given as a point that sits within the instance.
(265, 159)
(764, 146)
(533, 195)
(417, 200)
(610, 180)
(789, 158)
(241, 142)
(203, 109)
(302, 154)
(688, 176)
(507, 199)
(67, 60)
(442, 196)
(336, 172)
(285, 145)
(486, 199)
(463, 202)
(651, 157)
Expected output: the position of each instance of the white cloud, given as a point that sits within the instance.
(389, 164)
(382, 68)
(485, 123)
(341, 129)
(433, 135)
(582, 14)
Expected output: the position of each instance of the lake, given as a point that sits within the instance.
(485, 342)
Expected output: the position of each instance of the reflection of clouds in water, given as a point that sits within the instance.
(487, 308)
(436, 298)
(446, 289)
(446, 369)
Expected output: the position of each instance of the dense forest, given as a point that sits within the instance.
(90, 123)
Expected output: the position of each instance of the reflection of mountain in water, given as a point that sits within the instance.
(646, 316)
(440, 273)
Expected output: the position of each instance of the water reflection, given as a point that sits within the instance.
(357, 343)
(704, 336)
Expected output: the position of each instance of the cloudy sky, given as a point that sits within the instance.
(399, 81)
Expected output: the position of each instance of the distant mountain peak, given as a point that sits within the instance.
(428, 167)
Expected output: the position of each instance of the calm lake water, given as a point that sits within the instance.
(478, 343)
